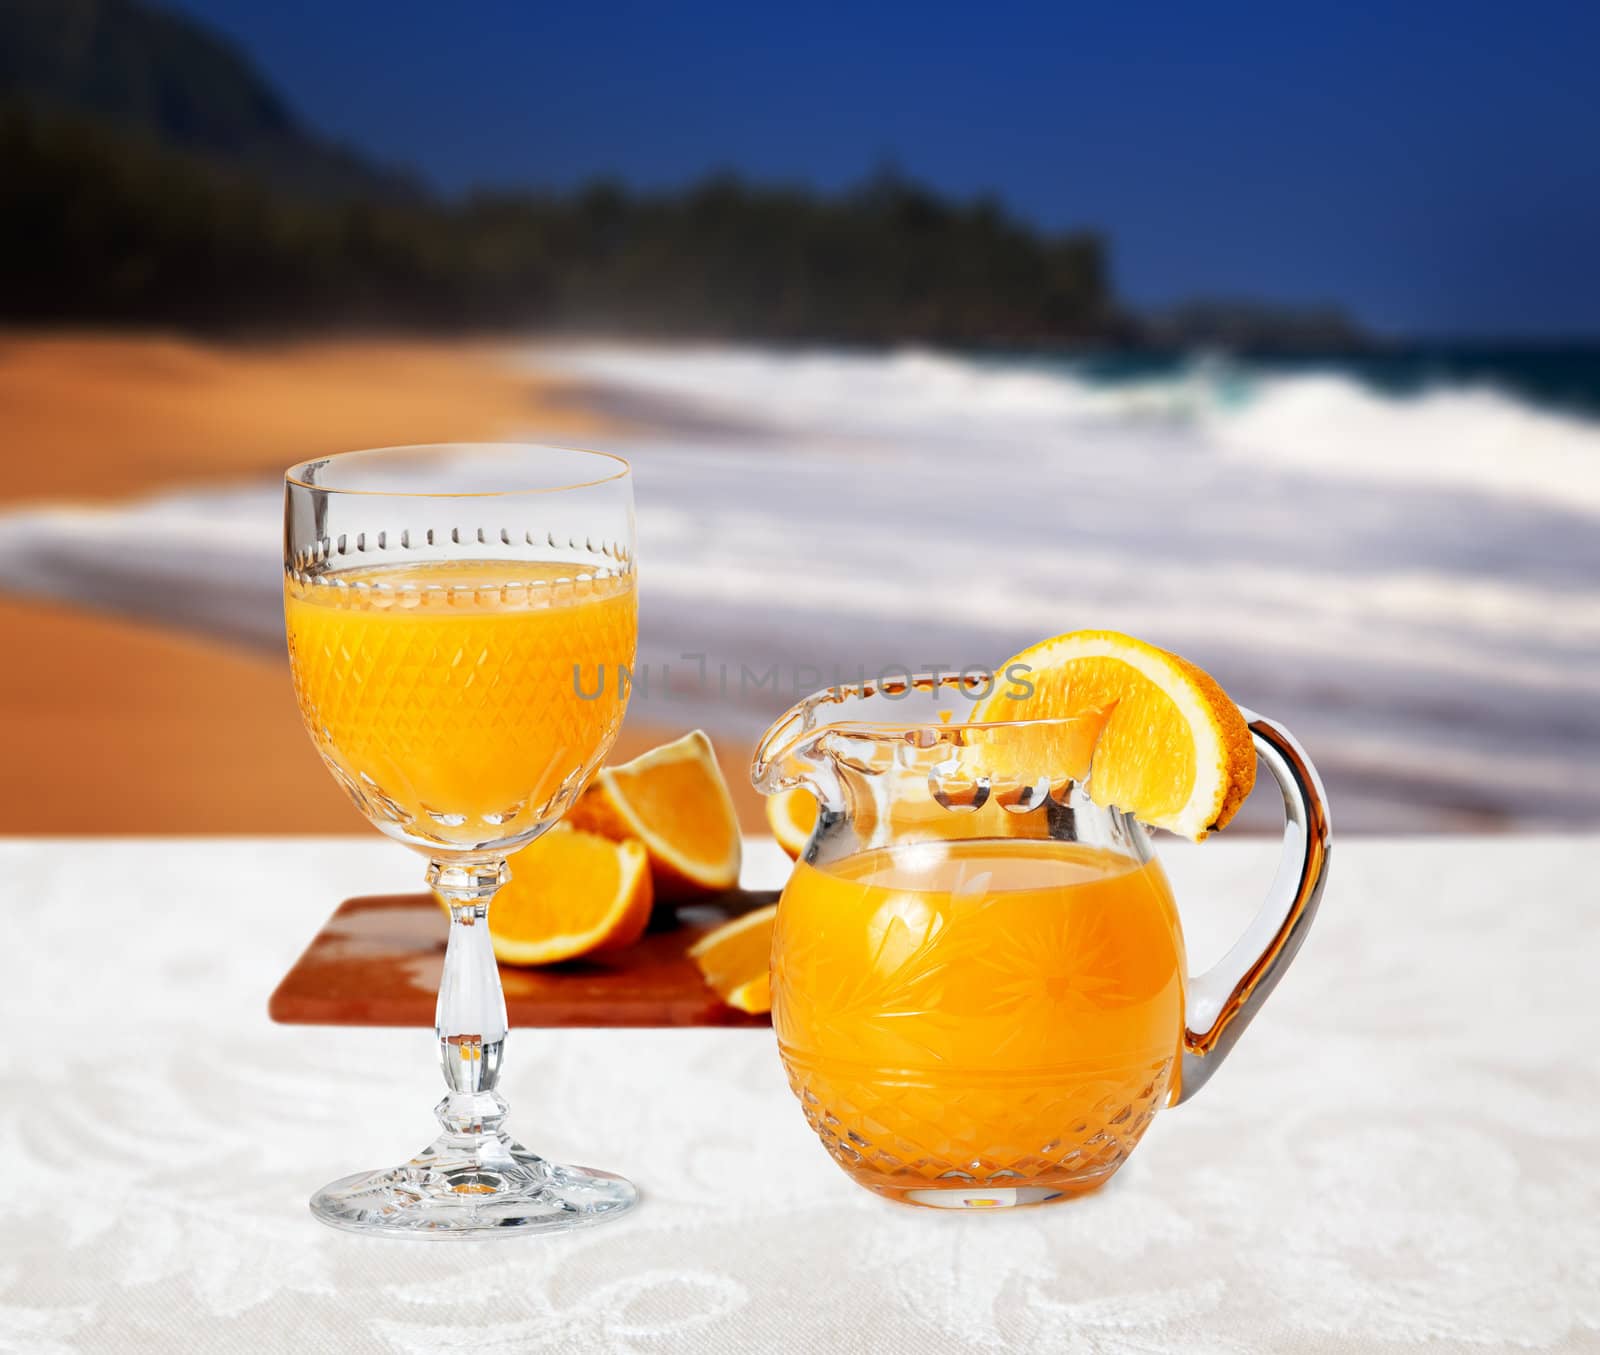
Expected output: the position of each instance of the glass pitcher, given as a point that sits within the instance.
(978, 977)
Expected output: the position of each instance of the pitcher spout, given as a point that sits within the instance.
(786, 757)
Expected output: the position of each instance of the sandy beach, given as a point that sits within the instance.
(92, 418)
(117, 727)
(1407, 581)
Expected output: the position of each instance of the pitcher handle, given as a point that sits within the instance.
(1225, 999)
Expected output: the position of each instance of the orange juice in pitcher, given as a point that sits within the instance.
(979, 985)
(978, 1010)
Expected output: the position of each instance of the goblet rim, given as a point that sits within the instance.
(298, 475)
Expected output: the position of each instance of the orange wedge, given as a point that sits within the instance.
(571, 893)
(673, 800)
(1168, 746)
(734, 958)
(792, 816)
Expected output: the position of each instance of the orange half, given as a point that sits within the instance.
(734, 959)
(571, 893)
(674, 800)
(1157, 736)
(792, 816)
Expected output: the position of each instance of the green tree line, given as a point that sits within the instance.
(103, 225)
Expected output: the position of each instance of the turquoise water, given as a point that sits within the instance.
(1563, 377)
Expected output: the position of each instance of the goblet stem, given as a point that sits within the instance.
(470, 1020)
(474, 1178)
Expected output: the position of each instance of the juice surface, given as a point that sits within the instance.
(997, 1009)
(444, 693)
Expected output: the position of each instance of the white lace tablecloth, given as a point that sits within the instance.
(1402, 1154)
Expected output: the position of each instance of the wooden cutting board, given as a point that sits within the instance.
(376, 962)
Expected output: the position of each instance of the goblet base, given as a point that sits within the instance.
(473, 1185)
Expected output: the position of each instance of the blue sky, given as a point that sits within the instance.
(1433, 166)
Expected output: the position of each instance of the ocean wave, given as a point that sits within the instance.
(896, 392)
(1472, 439)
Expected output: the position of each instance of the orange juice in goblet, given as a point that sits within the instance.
(457, 696)
(458, 618)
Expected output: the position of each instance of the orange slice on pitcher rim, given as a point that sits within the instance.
(571, 893)
(792, 816)
(734, 959)
(674, 801)
(1161, 738)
